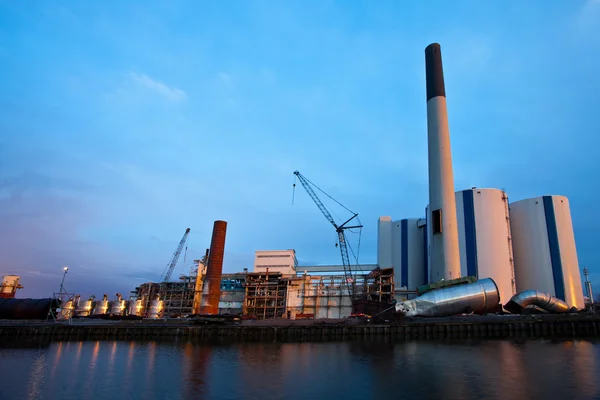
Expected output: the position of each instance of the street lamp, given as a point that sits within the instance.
(66, 269)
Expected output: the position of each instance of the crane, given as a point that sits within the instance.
(340, 229)
(166, 275)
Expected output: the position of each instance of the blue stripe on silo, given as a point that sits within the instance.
(404, 254)
(557, 271)
(470, 232)
(425, 257)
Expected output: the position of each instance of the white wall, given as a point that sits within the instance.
(409, 259)
(283, 261)
(384, 242)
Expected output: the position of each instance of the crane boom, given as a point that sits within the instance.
(166, 276)
(306, 183)
(339, 229)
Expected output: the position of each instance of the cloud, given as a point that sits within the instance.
(170, 93)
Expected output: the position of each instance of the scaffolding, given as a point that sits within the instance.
(178, 297)
(266, 294)
(381, 285)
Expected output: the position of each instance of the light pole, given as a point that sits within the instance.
(588, 286)
(62, 288)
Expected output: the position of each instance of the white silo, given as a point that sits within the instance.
(384, 242)
(409, 257)
(484, 238)
(544, 248)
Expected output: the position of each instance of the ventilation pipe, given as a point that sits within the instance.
(534, 298)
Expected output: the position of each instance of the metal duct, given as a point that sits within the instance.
(211, 288)
(478, 297)
(534, 298)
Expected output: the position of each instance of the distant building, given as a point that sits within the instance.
(282, 261)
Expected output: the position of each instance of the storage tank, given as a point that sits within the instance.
(118, 306)
(136, 307)
(409, 253)
(67, 308)
(86, 308)
(156, 308)
(101, 307)
(485, 238)
(9, 286)
(544, 248)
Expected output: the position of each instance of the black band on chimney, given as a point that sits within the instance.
(434, 72)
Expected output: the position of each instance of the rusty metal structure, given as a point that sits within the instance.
(9, 286)
(199, 274)
(211, 287)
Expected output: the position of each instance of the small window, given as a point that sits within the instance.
(436, 217)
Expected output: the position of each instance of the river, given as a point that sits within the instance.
(490, 369)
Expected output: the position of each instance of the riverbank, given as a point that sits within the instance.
(482, 327)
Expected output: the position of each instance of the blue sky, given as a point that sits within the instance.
(123, 123)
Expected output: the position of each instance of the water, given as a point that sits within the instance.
(346, 370)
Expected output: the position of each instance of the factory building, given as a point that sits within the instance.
(544, 248)
(401, 245)
(528, 244)
(282, 261)
(306, 292)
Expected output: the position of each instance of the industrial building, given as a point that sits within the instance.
(317, 291)
(527, 245)
(473, 245)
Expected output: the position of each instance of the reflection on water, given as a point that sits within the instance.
(362, 369)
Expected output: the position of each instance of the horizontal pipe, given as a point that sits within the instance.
(534, 298)
(478, 297)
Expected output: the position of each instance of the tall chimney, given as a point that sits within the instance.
(211, 289)
(444, 250)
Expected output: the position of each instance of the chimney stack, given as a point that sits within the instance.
(211, 288)
(443, 236)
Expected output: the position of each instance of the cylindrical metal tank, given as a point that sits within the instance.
(136, 307)
(479, 297)
(408, 253)
(211, 288)
(544, 248)
(86, 308)
(101, 307)
(156, 309)
(67, 308)
(9, 286)
(118, 306)
(485, 238)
